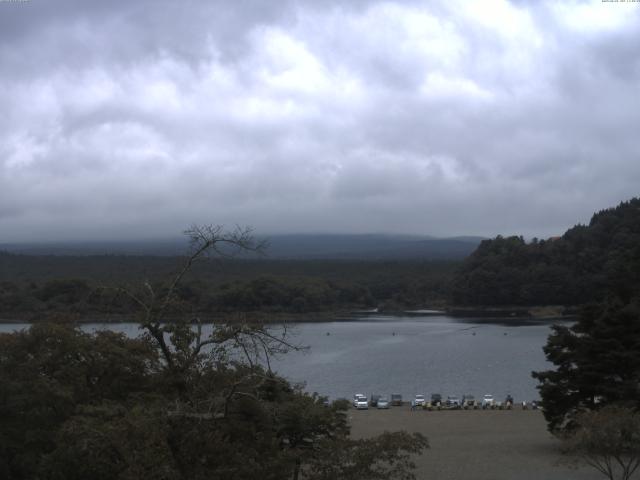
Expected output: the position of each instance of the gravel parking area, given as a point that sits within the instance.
(476, 444)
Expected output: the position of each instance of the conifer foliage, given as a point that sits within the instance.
(582, 266)
(597, 363)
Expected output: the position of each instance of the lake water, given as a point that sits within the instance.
(408, 355)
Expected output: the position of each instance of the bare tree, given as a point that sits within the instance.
(181, 342)
(608, 440)
(212, 407)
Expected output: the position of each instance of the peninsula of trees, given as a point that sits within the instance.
(581, 266)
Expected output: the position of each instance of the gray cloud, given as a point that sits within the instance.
(135, 119)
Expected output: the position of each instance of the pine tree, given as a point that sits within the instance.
(597, 362)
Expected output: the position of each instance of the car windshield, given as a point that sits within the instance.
(419, 396)
(382, 399)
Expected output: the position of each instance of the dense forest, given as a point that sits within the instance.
(583, 265)
(31, 285)
(579, 267)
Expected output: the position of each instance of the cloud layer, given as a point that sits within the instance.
(136, 119)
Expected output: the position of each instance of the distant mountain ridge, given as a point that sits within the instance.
(291, 246)
(367, 247)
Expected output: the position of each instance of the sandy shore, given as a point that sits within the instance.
(476, 444)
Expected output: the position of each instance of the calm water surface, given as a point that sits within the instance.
(408, 355)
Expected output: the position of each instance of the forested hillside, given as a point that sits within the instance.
(581, 266)
(76, 284)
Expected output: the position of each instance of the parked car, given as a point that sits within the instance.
(383, 402)
(419, 401)
(453, 401)
(435, 403)
(396, 399)
(488, 401)
(356, 397)
(469, 401)
(360, 401)
(374, 400)
(508, 402)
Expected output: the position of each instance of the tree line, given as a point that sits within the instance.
(591, 397)
(237, 285)
(581, 266)
(175, 404)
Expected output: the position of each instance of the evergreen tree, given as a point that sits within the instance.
(580, 267)
(597, 362)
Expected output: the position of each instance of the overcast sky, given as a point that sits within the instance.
(127, 119)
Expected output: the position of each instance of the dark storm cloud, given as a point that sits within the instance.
(139, 118)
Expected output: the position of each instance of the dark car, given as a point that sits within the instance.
(436, 399)
(374, 400)
(453, 402)
(396, 399)
(469, 401)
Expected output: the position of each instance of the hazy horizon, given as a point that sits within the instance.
(258, 235)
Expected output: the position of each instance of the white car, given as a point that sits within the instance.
(419, 401)
(360, 402)
(488, 401)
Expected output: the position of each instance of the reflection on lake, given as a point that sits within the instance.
(408, 355)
